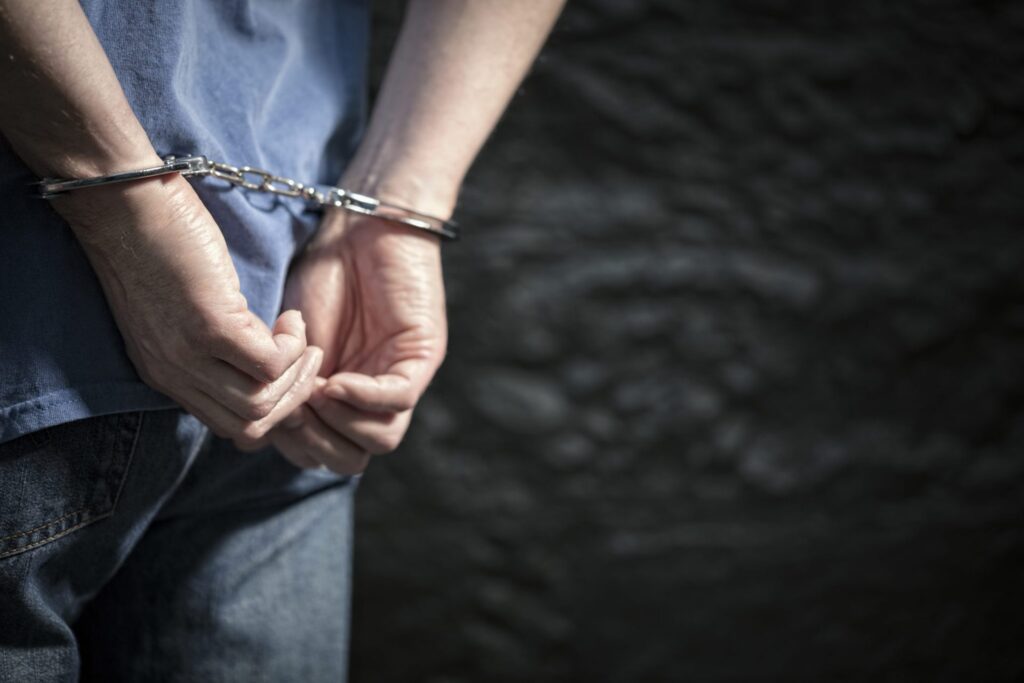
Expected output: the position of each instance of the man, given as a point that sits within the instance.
(139, 317)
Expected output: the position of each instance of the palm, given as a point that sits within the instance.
(373, 298)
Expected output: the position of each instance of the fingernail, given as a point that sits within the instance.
(318, 363)
(314, 356)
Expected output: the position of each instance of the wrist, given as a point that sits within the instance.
(82, 150)
(425, 190)
(420, 196)
(407, 192)
(102, 216)
(339, 227)
(103, 160)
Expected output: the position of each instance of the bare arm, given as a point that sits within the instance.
(64, 111)
(455, 67)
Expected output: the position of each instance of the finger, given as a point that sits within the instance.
(248, 434)
(316, 441)
(221, 422)
(261, 353)
(300, 390)
(288, 446)
(296, 458)
(290, 421)
(251, 446)
(376, 433)
(394, 392)
(294, 419)
(244, 396)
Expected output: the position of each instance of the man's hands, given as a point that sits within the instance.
(373, 296)
(371, 290)
(174, 293)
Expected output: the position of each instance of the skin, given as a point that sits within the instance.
(336, 379)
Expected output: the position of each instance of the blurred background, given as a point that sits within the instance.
(735, 388)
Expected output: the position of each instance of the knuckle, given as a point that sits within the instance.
(275, 366)
(404, 402)
(219, 431)
(258, 408)
(269, 368)
(253, 431)
(385, 442)
(221, 334)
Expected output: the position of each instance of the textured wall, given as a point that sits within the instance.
(735, 387)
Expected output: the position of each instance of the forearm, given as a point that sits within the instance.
(455, 67)
(64, 111)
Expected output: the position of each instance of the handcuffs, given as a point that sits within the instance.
(259, 180)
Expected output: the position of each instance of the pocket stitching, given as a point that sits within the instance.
(87, 519)
(128, 463)
(85, 522)
(52, 522)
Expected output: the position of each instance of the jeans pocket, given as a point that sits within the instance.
(60, 479)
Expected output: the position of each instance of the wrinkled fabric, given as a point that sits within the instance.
(265, 83)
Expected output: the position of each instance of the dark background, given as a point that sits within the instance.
(735, 386)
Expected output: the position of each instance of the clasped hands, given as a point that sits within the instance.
(334, 381)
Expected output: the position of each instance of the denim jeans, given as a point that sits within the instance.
(138, 547)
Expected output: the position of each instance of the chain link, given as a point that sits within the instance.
(259, 180)
(264, 181)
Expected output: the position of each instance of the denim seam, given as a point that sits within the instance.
(51, 522)
(85, 522)
(87, 519)
(128, 463)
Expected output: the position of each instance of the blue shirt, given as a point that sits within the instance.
(268, 83)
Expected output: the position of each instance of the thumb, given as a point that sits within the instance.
(396, 391)
(265, 354)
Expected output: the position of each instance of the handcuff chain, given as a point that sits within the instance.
(260, 180)
(265, 181)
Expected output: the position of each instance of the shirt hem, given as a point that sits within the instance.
(77, 403)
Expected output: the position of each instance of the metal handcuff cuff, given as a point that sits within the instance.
(263, 181)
